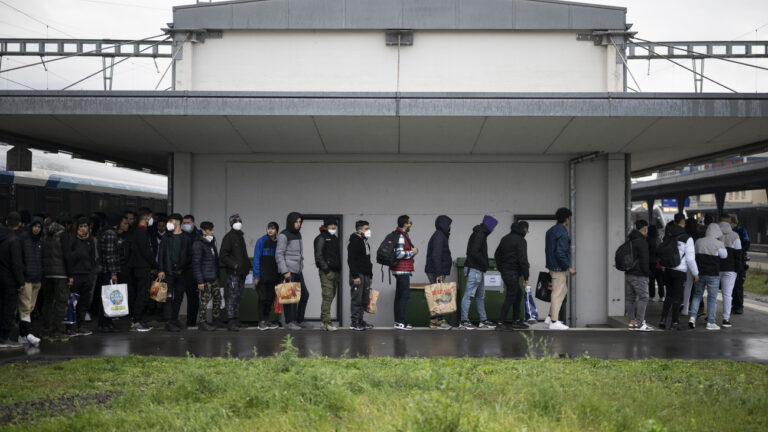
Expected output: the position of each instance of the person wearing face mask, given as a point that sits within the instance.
(360, 273)
(289, 254)
(205, 270)
(175, 255)
(160, 228)
(83, 259)
(403, 270)
(265, 274)
(142, 263)
(234, 256)
(32, 248)
(193, 294)
(328, 261)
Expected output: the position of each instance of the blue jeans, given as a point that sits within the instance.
(712, 284)
(476, 289)
(295, 312)
(402, 293)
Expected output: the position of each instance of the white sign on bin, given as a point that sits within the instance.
(493, 281)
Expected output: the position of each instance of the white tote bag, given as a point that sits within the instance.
(114, 297)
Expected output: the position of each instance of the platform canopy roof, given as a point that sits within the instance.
(140, 129)
(398, 14)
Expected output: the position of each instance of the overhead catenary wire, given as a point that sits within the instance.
(623, 59)
(173, 58)
(36, 19)
(89, 52)
(110, 66)
(16, 82)
(686, 68)
(697, 53)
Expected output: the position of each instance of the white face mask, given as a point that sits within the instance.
(186, 228)
(332, 231)
(237, 226)
(169, 226)
(367, 234)
(150, 222)
(209, 238)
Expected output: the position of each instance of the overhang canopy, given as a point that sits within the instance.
(398, 14)
(141, 128)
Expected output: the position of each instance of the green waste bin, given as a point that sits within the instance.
(249, 303)
(416, 311)
(494, 296)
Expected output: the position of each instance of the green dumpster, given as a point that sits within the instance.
(416, 311)
(494, 295)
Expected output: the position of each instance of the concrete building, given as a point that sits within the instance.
(369, 109)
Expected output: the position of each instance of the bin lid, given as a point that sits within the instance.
(461, 260)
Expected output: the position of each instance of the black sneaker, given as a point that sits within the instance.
(504, 327)
(487, 324)
(232, 325)
(466, 325)
(359, 327)
(367, 325)
(263, 325)
(738, 311)
(726, 323)
(219, 324)
(662, 325)
(206, 327)
(140, 327)
(520, 325)
(80, 331)
(172, 327)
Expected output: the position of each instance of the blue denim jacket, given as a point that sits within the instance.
(558, 248)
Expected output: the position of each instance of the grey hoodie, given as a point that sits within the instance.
(710, 250)
(289, 252)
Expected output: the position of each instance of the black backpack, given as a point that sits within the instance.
(385, 255)
(625, 257)
(668, 254)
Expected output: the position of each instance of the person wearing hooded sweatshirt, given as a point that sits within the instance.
(32, 247)
(558, 253)
(656, 278)
(289, 254)
(360, 273)
(11, 276)
(205, 271)
(265, 274)
(636, 279)
(729, 267)
(109, 258)
(174, 259)
(328, 261)
(234, 255)
(83, 258)
(512, 260)
(709, 251)
(474, 268)
(142, 262)
(439, 261)
(56, 273)
(403, 270)
(741, 277)
(675, 277)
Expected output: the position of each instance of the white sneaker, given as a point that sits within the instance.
(712, 326)
(548, 321)
(644, 327)
(692, 322)
(557, 325)
(402, 326)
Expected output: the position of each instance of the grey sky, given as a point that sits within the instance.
(133, 19)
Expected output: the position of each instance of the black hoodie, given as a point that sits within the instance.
(477, 248)
(32, 246)
(359, 257)
(640, 251)
(512, 253)
(439, 261)
(11, 263)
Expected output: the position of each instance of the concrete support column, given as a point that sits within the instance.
(720, 201)
(681, 202)
(650, 203)
(181, 195)
(598, 232)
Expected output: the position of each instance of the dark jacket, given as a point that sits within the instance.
(205, 261)
(477, 248)
(32, 247)
(56, 257)
(165, 253)
(82, 255)
(142, 255)
(109, 251)
(653, 241)
(439, 261)
(641, 254)
(327, 255)
(11, 261)
(558, 248)
(233, 253)
(512, 253)
(264, 263)
(359, 257)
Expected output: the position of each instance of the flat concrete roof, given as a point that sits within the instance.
(746, 176)
(399, 14)
(141, 128)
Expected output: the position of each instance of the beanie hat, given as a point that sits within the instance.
(330, 220)
(490, 222)
(233, 218)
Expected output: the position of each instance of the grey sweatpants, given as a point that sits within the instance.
(636, 287)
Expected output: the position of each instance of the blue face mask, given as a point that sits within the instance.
(186, 228)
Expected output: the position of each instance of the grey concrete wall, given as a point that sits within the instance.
(377, 188)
